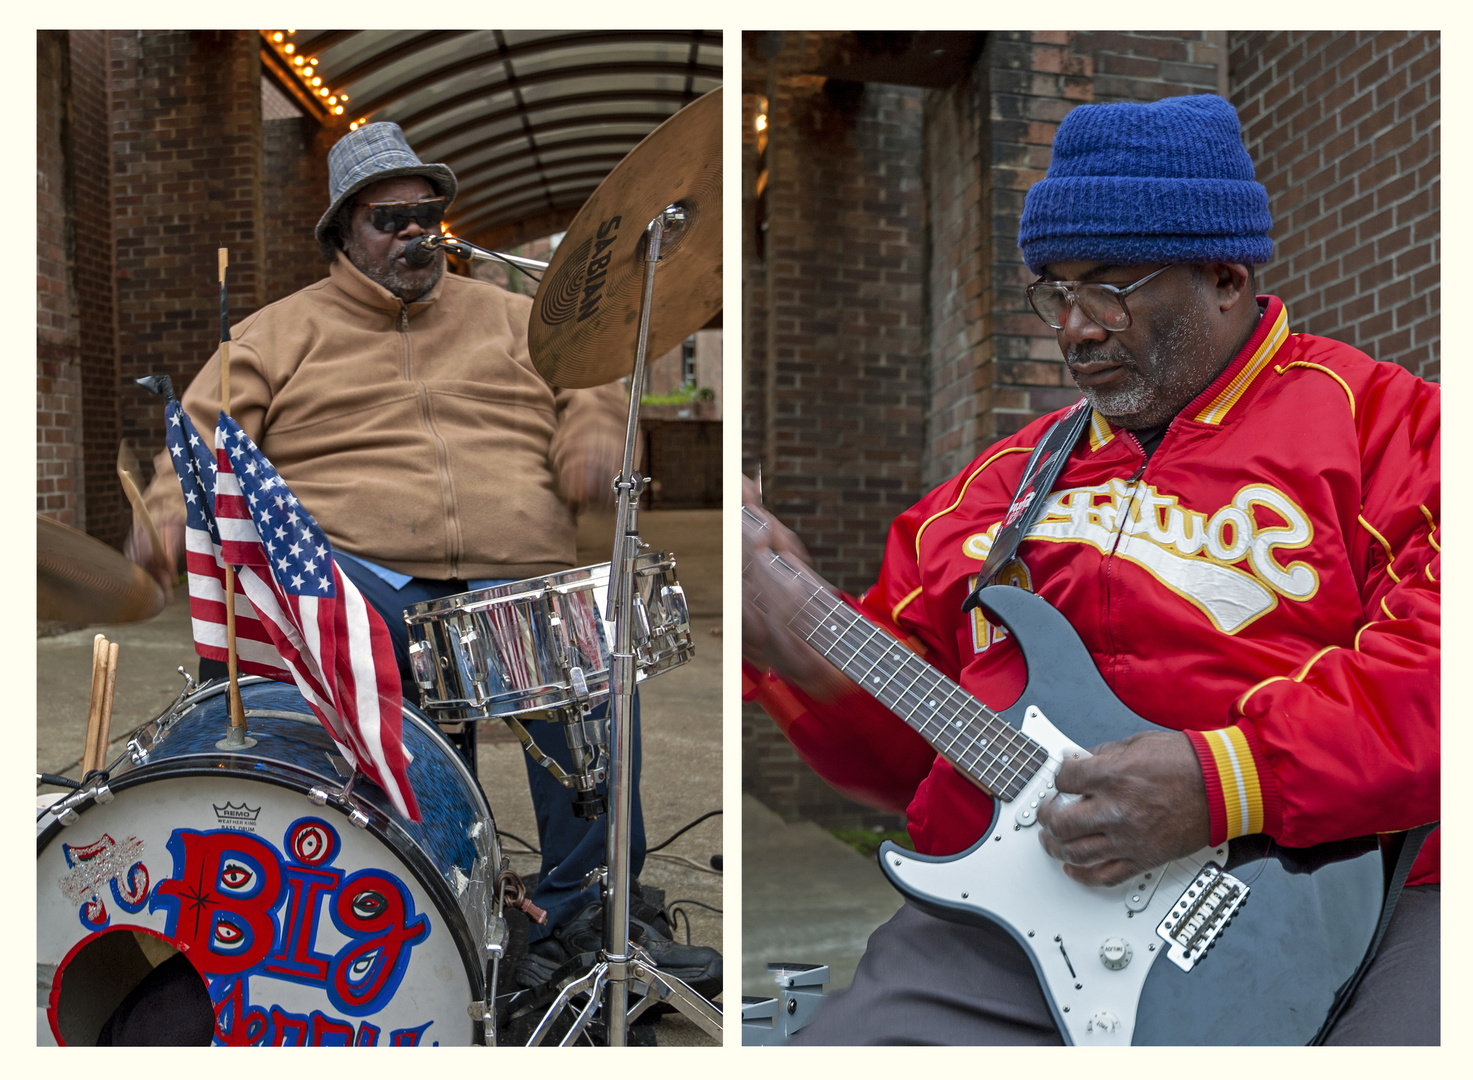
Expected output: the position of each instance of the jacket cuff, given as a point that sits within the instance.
(1242, 795)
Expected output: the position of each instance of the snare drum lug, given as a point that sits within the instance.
(318, 796)
(102, 794)
(68, 816)
(358, 817)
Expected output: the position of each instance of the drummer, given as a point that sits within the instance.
(401, 406)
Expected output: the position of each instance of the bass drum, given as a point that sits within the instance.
(306, 925)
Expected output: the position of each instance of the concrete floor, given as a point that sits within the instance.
(681, 713)
(807, 898)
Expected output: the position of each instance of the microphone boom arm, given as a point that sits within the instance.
(464, 249)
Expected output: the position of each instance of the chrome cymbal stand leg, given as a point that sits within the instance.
(618, 963)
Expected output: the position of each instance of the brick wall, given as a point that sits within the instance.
(187, 180)
(994, 366)
(1344, 128)
(107, 511)
(846, 248)
(59, 487)
(295, 181)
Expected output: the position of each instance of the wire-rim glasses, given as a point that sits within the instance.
(1101, 303)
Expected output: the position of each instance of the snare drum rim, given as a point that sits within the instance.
(288, 776)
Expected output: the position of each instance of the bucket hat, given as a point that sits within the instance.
(376, 152)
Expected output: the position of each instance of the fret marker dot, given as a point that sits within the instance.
(835, 629)
(956, 723)
(874, 678)
(1004, 757)
(932, 703)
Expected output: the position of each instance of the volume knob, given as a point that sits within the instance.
(1115, 953)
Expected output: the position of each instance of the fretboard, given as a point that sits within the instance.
(974, 738)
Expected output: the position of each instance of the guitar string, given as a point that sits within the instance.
(997, 755)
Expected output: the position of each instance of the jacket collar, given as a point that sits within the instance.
(358, 286)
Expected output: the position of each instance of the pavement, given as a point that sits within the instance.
(807, 898)
(681, 718)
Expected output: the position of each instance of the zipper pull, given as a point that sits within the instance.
(404, 319)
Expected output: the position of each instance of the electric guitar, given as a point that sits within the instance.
(1119, 965)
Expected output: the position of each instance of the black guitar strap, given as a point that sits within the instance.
(1039, 475)
(1401, 853)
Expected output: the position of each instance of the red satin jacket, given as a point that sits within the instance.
(1268, 582)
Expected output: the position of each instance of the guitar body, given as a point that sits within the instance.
(1273, 972)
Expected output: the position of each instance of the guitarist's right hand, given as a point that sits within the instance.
(772, 594)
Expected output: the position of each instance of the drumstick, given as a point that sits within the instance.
(94, 708)
(237, 709)
(105, 722)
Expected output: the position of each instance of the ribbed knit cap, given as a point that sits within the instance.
(1166, 182)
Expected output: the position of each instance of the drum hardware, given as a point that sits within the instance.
(620, 963)
(321, 796)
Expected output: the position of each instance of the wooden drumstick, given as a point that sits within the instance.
(94, 708)
(105, 720)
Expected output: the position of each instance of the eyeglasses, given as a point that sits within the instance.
(1103, 304)
(393, 217)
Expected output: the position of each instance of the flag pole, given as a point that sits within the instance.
(236, 736)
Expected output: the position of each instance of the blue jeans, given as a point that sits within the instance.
(571, 846)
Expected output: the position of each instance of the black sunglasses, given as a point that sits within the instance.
(395, 216)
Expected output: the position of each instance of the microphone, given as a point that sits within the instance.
(421, 250)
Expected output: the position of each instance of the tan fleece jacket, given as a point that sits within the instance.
(420, 436)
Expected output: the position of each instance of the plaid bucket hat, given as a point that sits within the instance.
(376, 152)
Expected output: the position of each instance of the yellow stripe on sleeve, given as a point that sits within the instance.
(1238, 777)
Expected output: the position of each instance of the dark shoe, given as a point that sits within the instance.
(581, 938)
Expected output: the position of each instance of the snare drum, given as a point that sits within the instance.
(531, 646)
(307, 925)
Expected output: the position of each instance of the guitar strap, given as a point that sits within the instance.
(1039, 476)
(1401, 852)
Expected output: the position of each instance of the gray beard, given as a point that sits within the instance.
(389, 277)
(1138, 404)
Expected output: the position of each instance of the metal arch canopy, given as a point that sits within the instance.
(531, 121)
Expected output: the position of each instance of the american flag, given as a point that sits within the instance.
(297, 617)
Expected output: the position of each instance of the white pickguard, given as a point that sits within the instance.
(1008, 879)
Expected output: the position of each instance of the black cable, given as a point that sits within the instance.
(670, 913)
(58, 781)
(513, 836)
(683, 829)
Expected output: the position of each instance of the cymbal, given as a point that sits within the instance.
(585, 322)
(81, 579)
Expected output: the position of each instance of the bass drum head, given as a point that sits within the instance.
(301, 928)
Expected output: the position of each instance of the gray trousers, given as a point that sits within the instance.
(926, 981)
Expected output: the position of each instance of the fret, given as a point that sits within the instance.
(974, 738)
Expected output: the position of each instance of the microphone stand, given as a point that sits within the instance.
(464, 249)
(619, 962)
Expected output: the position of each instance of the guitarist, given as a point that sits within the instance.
(1245, 536)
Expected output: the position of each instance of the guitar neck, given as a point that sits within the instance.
(976, 740)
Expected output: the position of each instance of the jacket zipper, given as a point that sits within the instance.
(452, 526)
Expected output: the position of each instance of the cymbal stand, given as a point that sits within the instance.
(620, 962)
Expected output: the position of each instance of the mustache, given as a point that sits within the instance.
(1095, 353)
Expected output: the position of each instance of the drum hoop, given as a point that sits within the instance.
(292, 779)
(534, 588)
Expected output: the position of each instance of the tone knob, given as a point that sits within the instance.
(1103, 1023)
(1115, 953)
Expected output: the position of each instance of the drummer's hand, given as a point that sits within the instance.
(163, 565)
(770, 599)
(588, 479)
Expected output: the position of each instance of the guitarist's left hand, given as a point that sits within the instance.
(1143, 803)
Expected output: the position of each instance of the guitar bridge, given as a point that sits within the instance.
(1195, 921)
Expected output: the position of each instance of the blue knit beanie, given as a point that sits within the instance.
(1167, 182)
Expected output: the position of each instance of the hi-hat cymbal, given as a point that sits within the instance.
(80, 579)
(585, 323)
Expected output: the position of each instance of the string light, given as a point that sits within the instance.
(761, 121)
(306, 69)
